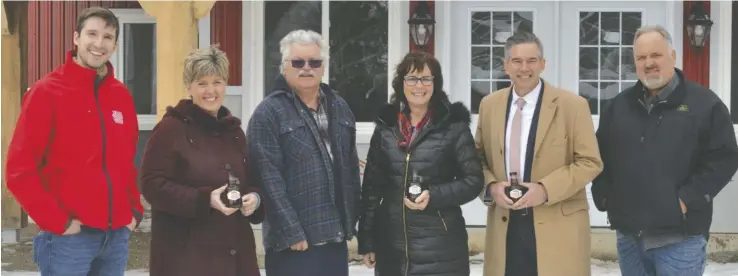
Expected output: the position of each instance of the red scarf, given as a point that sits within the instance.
(406, 128)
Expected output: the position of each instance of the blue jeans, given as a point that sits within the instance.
(92, 252)
(686, 258)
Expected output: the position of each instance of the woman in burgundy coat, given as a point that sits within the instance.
(185, 170)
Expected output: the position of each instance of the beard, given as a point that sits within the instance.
(653, 83)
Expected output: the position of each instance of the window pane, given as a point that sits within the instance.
(610, 32)
(280, 18)
(589, 28)
(609, 63)
(358, 55)
(631, 23)
(480, 23)
(480, 63)
(139, 51)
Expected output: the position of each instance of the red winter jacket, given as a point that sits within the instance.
(71, 156)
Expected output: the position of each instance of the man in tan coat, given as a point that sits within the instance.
(546, 136)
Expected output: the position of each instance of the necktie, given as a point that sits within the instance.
(517, 125)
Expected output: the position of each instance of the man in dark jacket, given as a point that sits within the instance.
(668, 147)
(302, 140)
(70, 162)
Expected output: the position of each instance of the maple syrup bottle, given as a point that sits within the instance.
(515, 191)
(231, 197)
(414, 187)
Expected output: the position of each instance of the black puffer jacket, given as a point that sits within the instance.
(433, 241)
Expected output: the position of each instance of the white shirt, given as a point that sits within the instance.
(531, 99)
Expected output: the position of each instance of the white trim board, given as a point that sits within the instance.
(203, 32)
(720, 50)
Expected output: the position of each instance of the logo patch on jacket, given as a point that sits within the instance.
(117, 117)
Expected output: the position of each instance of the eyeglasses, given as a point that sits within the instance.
(427, 80)
(300, 63)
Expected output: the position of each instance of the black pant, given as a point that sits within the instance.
(521, 257)
(330, 259)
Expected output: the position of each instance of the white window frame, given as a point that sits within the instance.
(253, 44)
(146, 122)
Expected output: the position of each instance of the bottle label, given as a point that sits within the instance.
(415, 189)
(516, 193)
(233, 195)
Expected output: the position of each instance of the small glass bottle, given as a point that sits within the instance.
(515, 191)
(231, 197)
(414, 187)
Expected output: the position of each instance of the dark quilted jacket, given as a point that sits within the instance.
(432, 241)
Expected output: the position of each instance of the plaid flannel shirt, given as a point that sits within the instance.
(296, 173)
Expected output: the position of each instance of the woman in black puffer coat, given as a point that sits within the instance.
(420, 133)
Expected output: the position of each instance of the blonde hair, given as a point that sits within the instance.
(205, 62)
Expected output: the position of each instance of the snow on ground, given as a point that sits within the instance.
(598, 269)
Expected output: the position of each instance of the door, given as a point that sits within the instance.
(601, 54)
(479, 32)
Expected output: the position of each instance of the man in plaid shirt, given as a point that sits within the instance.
(302, 142)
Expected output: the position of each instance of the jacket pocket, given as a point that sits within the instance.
(296, 139)
(571, 207)
(677, 206)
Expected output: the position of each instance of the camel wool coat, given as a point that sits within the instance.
(566, 159)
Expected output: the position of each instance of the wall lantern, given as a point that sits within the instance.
(421, 25)
(698, 26)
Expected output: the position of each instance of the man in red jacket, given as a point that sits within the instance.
(70, 162)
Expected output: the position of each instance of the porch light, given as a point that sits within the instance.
(698, 26)
(421, 25)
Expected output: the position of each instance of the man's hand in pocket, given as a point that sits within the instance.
(74, 227)
(131, 226)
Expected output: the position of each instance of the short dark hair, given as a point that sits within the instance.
(522, 38)
(417, 61)
(106, 15)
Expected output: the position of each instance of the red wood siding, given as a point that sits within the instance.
(430, 48)
(51, 28)
(696, 65)
(225, 29)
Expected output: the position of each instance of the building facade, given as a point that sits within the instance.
(587, 46)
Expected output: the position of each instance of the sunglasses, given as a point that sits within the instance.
(414, 80)
(299, 63)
